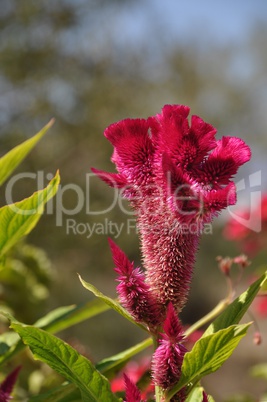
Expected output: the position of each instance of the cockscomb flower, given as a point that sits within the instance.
(177, 177)
(134, 293)
(168, 357)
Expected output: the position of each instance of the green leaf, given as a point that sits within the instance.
(67, 362)
(110, 302)
(11, 344)
(236, 310)
(208, 355)
(13, 158)
(109, 365)
(63, 393)
(196, 395)
(20, 218)
(67, 316)
(55, 321)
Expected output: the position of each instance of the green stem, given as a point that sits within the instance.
(221, 306)
(158, 391)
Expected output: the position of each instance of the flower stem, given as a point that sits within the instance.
(158, 391)
(221, 306)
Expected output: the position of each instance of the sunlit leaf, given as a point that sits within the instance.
(66, 361)
(196, 395)
(11, 344)
(236, 310)
(208, 355)
(13, 158)
(20, 218)
(55, 321)
(110, 302)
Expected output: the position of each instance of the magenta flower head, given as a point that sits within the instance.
(177, 177)
(168, 357)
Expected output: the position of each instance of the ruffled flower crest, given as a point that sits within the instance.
(177, 177)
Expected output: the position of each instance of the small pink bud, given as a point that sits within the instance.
(257, 339)
(242, 260)
(225, 265)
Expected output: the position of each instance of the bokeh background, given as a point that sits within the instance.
(89, 63)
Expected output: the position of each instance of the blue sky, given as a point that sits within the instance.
(218, 20)
(225, 19)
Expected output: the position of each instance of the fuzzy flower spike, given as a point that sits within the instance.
(132, 392)
(168, 357)
(177, 177)
(133, 291)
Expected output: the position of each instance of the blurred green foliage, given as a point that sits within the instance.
(25, 280)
